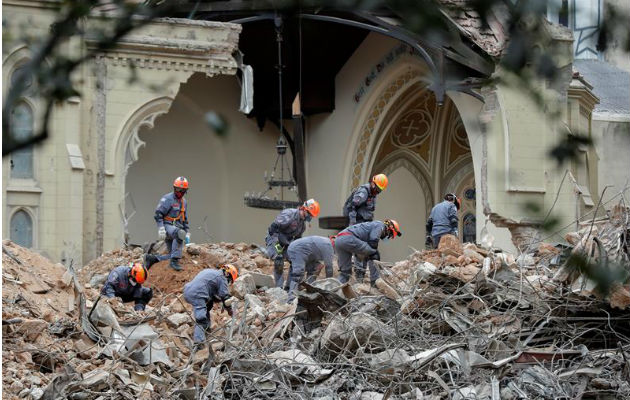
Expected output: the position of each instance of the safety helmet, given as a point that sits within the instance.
(452, 197)
(231, 271)
(181, 183)
(393, 228)
(380, 181)
(312, 206)
(138, 272)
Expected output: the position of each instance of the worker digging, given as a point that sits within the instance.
(171, 216)
(125, 282)
(208, 287)
(361, 240)
(286, 227)
(310, 254)
(359, 207)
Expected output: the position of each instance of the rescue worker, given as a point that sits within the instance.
(126, 281)
(288, 226)
(442, 220)
(362, 240)
(310, 254)
(359, 207)
(171, 216)
(208, 287)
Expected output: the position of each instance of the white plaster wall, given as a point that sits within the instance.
(403, 201)
(329, 146)
(220, 170)
(612, 144)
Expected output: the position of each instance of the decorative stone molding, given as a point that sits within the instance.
(361, 157)
(173, 44)
(128, 142)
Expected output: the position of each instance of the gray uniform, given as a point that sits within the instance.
(287, 227)
(172, 214)
(117, 285)
(362, 241)
(208, 287)
(361, 205)
(359, 208)
(442, 220)
(307, 254)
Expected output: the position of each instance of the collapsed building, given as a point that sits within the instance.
(459, 322)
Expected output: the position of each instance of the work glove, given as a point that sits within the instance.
(376, 256)
(373, 244)
(187, 240)
(279, 248)
(456, 233)
(162, 233)
(429, 241)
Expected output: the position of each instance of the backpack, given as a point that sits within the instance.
(348, 203)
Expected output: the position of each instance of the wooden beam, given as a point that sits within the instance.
(298, 138)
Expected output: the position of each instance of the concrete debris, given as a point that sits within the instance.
(244, 285)
(459, 322)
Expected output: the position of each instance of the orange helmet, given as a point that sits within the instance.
(230, 270)
(380, 181)
(312, 207)
(138, 272)
(393, 228)
(181, 183)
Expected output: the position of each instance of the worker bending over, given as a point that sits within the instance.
(288, 226)
(125, 282)
(208, 287)
(310, 254)
(360, 207)
(362, 240)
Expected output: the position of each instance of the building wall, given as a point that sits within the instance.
(220, 169)
(612, 144)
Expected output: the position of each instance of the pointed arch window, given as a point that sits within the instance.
(21, 125)
(21, 227)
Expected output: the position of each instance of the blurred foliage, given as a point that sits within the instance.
(569, 148)
(527, 60)
(602, 272)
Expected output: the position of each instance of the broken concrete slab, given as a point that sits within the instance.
(263, 280)
(243, 285)
(175, 320)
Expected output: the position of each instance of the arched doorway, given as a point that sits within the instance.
(424, 148)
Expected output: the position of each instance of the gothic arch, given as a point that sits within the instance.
(127, 142)
(370, 119)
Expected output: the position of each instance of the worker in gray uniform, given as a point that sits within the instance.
(208, 287)
(288, 226)
(125, 282)
(310, 254)
(171, 216)
(362, 240)
(360, 207)
(442, 220)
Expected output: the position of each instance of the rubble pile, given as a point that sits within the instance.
(459, 322)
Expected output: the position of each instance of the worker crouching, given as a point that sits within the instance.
(126, 282)
(208, 287)
(362, 240)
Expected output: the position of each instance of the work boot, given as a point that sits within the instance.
(149, 260)
(175, 264)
